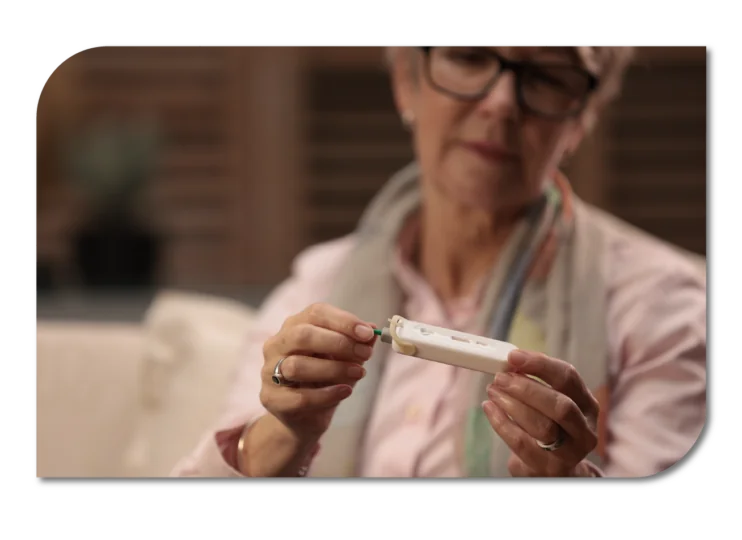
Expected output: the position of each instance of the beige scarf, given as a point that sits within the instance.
(562, 314)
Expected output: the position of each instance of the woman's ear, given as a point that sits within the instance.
(574, 138)
(404, 83)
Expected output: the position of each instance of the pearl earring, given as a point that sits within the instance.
(408, 119)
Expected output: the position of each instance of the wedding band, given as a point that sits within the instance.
(278, 378)
(556, 444)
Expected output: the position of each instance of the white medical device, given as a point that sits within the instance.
(446, 346)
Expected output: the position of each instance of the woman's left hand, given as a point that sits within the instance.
(524, 411)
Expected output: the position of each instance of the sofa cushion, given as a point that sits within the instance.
(192, 347)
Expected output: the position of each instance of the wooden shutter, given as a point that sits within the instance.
(55, 119)
(355, 141)
(186, 91)
(270, 150)
(656, 151)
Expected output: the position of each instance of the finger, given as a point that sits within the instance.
(560, 375)
(533, 422)
(313, 340)
(308, 369)
(517, 440)
(285, 400)
(554, 405)
(338, 320)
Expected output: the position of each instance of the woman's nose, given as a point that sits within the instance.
(502, 97)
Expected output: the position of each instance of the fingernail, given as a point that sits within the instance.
(364, 332)
(503, 380)
(344, 391)
(488, 407)
(517, 358)
(362, 351)
(356, 372)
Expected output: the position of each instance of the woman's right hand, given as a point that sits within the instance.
(324, 349)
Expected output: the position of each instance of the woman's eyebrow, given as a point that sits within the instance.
(552, 54)
(569, 54)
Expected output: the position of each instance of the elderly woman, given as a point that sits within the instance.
(482, 234)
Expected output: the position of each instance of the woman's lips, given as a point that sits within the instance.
(490, 152)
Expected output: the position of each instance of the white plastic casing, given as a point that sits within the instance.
(452, 347)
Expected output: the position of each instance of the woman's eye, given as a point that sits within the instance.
(542, 76)
(469, 56)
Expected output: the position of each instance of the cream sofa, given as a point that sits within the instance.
(128, 400)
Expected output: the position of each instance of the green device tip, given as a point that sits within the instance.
(377, 331)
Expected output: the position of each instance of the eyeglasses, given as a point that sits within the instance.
(551, 90)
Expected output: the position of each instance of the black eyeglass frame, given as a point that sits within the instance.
(518, 68)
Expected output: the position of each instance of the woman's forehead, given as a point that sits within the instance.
(562, 52)
(565, 54)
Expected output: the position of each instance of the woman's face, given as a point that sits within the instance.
(487, 153)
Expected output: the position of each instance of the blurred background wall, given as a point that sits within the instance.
(209, 169)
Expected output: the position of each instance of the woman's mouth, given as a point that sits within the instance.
(490, 151)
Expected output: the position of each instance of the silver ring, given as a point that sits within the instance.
(278, 378)
(556, 444)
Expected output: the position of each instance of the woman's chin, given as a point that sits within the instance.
(485, 193)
